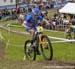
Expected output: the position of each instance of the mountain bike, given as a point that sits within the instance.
(42, 44)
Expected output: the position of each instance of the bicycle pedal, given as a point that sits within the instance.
(33, 45)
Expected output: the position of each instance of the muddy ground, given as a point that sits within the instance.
(20, 64)
(2, 50)
(24, 64)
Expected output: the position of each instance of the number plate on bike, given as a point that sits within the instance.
(39, 28)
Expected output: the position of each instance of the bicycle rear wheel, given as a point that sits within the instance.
(46, 48)
(29, 50)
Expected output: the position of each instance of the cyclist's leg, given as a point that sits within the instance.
(30, 30)
(34, 38)
(34, 33)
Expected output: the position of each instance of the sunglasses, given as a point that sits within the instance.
(35, 15)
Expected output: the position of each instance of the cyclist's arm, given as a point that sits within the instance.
(27, 19)
(23, 24)
(43, 19)
(46, 21)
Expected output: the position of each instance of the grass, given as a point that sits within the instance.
(61, 51)
(8, 21)
(15, 46)
(51, 12)
(55, 34)
(64, 51)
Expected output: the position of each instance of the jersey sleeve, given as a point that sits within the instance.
(40, 18)
(28, 18)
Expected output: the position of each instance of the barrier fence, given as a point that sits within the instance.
(57, 40)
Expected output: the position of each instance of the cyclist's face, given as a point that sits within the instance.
(35, 16)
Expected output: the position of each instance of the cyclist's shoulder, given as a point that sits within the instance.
(28, 17)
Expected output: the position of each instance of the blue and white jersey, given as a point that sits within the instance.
(30, 21)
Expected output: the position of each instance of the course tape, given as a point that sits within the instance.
(61, 40)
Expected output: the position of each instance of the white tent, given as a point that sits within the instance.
(69, 8)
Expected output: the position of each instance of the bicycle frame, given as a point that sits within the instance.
(41, 41)
(40, 29)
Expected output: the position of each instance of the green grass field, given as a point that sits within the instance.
(15, 51)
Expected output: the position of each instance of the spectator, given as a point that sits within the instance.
(21, 18)
(0, 15)
(29, 10)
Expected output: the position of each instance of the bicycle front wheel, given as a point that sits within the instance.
(29, 50)
(46, 48)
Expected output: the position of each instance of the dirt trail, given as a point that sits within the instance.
(2, 50)
(20, 64)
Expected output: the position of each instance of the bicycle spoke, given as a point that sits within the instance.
(46, 48)
(29, 51)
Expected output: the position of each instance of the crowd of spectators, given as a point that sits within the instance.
(57, 22)
(60, 22)
(11, 14)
